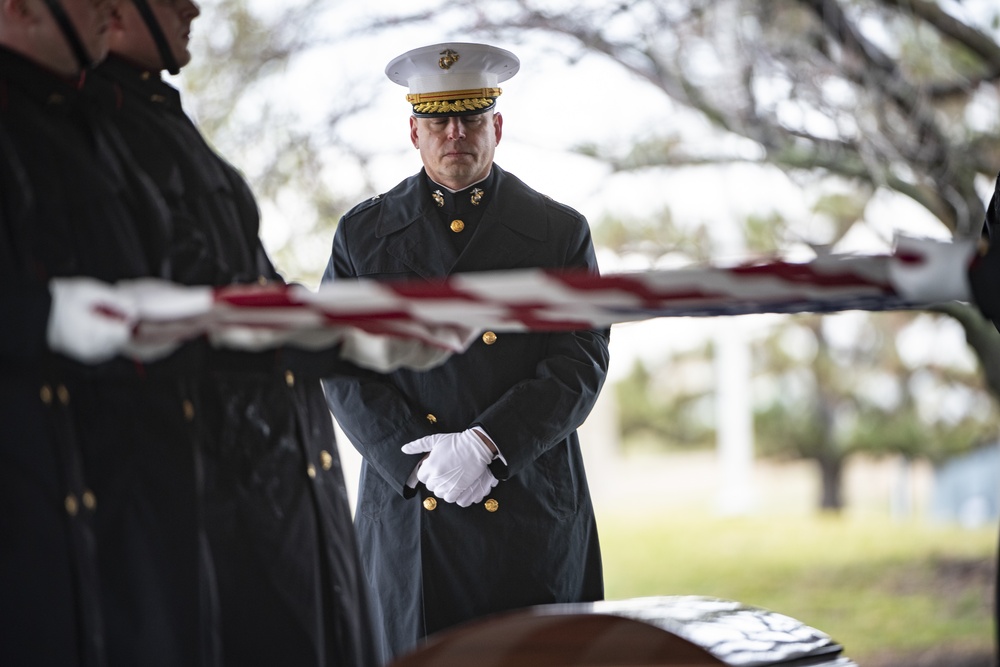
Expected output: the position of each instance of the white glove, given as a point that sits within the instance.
(168, 315)
(412, 344)
(159, 299)
(89, 320)
(479, 489)
(386, 352)
(454, 463)
(940, 275)
(379, 352)
(250, 339)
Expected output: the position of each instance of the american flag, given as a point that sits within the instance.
(918, 273)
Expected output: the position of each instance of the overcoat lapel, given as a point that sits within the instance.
(409, 221)
(511, 232)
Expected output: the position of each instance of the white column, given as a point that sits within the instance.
(734, 418)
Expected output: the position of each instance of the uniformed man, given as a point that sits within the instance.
(473, 497)
(99, 537)
(288, 577)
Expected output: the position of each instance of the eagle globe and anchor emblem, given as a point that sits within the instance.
(447, 59)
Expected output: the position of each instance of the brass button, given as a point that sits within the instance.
(46, 394)
(457, 226)
(145, 76)
(262, 280)
(326, 459)
(159, 99)
(430, 504)
(56, 98)
(311, 471)
(432, 419)
(188, 408)
(491, 505)
(89, 500)
(71, 504)
(489, 338)
(63, 393)
(290, 378)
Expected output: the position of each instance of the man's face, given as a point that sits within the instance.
(131, 37)
(457, 151)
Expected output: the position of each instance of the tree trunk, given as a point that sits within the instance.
(831, 477)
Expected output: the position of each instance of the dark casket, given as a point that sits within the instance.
(680, 631)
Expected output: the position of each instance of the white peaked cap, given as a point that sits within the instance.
(452, 78)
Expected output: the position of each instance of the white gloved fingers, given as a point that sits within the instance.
(371, 351)
(419, 446)
(422, 445)
(385, 353)
(452, 337)
(450, 489)
(89, 320)
(940, 275)
(456, 338)
(249, 339)
(444, 486)
(158, 299)
(313, 338)
(169, 314)
(478, 490)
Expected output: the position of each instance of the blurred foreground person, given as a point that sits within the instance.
(101, 558)
(473, 496)
(289, 581)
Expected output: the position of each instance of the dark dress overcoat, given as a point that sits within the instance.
(100, 559)
(289, 582)
(533, 540)
(991, 233)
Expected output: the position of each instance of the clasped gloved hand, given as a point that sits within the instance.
(456, 468)
(478, 490)
(89, 320)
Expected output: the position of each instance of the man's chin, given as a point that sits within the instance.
(456, 173)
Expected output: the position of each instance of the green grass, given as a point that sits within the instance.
(876, 586)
